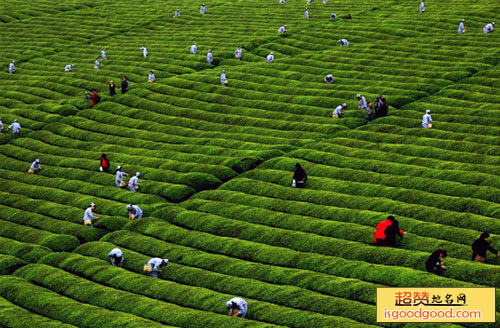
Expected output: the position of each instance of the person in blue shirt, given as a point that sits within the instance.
(270, 58)
(209, 56)
(193, 49)
(144, 51)
(97, 64)
(151, 76)
(68, 68)
(12, 67)
(337, 113)
(116, 257)
(16, 127)
(35, 166)
(343, 43)
(133, 183)
(88, 216)
(427, 119)
(156, 264)
(306, 13)
(422, 6)
(203, 9)
(282, 29)
(223, 79)
(119, 177)
(177, 13)
(362, 101)
(238, 53)
(461, 27)
(489, 28)
(103, 53)
(134, 212)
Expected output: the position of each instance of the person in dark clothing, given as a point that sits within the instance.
(386, 232)
(348, 16)
(434, 264)
(104, 163)
(299, 177)
(112, 90)
(125, 85)
(480, 247)
(383, 108)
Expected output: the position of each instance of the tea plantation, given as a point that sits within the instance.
(216, 162)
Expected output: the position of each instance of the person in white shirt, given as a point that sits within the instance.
(223, 79)
(337, 113)
(12, 67)
(133, 183)
(282, 1)
(333, 16)
(203, 9)
(427, 119)
(16, 127)
(116, 257)
(68, 68)
(193, 49)
(103, 53)
(422, 6)
(238, 53)
(119, 177)
(329, 78)
(461, 27)
(1, 125)
(97, 64)
(151, 77)
(343, 43)
(237, 307)
(270, 58)
(282, 29)
(156, 264)
(35, 167)
(325, 2)
(88, 216)
(306, 13)
(144, 51)
(134, 212)
(177, 13)
(209, 56)
(489, 28)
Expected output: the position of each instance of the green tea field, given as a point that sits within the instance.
(216, 162)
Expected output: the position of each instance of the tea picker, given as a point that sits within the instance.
(193, 49)
(343, 43)
(134, 212)
(282, 29)
(177, 13)
(237, 307)
(422, 7)
(480, 247)
(337, 113)
(153, 267)
(489, 28)
(16, 127)
(116, 257)
(103, 53)
(238, 53)
(434, 263)
(1, 125)
(427, 120)
(144, 51)
(69, 68)
(88, 216)
(461, 27)
(133, 183)
(35, 167)
(203, 9)
(270, 58)
(329, 78)
(209, 56)
(223, 79)
(151, 76)
(119, 177)
(12, 67)
(299, 177)
(386, 232)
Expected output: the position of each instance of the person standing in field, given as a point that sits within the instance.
(299, 177)
(489, 28)
(177, 13)
(119, 177)
(134, 212)
(480, 246)
(112, 88)
(306, 13)
(223, 79)
(461, 27)
(103, 54)
(116, 257)
(337, 113)
(144, 51)
(104, 163)
(362, 101)
(422, 6)
(237, 307)
(133, 183)
(427, 120)
(151, 77)
(12, 67)
(209, 56)
(1, 125)
(434, 263)
(386, 232)
(153, 267)
(270, 58)
(88, 216)
(238, 53)
(203, 9)
(16, 127)
(125, 85)
(383, 108)
(193, 49)
(35, 167)
(97, 64)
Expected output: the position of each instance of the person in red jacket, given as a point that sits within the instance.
(104, 163)
(386, 232)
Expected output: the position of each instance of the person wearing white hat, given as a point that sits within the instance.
(337, 113)
(16, 127)
(343, 43)
(154, 265)
(134, 212)
(282, 1)
(489, 28)
(237, 307)
(12, 67)
(270, 58)
(116, 257)
(35, 167)
(333, 16)
(133, 183)
(193, 49)
(238, 53)
(144, 51)
(282, 29)
(203, 9)
(119, 177)
(422, 7)
(151, 76)
(309, 2)
(88, 216)
(103, 53)
(329, 78)
(177, 13)
(223, 79)
(427, 120)
(209, 56)
(461, 27)
(68, 68)
(306, 13)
